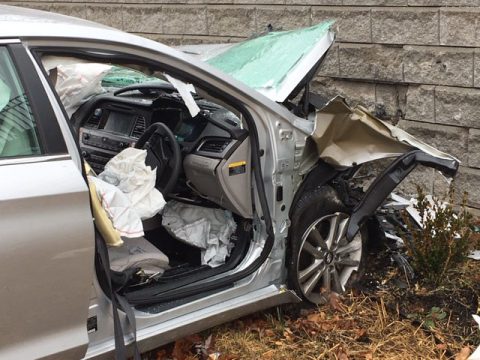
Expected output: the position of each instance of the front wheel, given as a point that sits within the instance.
(321, 259)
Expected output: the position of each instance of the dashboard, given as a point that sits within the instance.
(111, 124)
(210, 142)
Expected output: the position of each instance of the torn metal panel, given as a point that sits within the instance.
(347, 137)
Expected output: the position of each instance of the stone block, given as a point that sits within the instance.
(468, 180)
(282, 18)
(459, 27)
(441, 186)
(443, 2)
(474, 148)
(375, 2)
(354, 92)
(372, 62)
(420, 103)
(476, 65)
(352, 24)
(32, 5)
(110, 15)
(183, 20)
(438, 65)
(312, 2)
(330, 66)
(450, 139)
(249, 2)
(102, 2)
(76, 10)
(432, 181)
(193, 40)
(390, 102)
(170, 40)
(405, 26)
(421, 176)
(143, 18)
(457, 106)
(231, 21)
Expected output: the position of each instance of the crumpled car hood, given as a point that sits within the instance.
(345, 137)
(273, 64)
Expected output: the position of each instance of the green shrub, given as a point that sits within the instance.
(443, 242)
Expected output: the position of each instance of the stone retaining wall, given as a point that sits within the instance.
(415, 62)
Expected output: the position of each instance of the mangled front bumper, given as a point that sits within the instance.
(346, 137)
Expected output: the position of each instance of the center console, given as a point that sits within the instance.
(107, 132)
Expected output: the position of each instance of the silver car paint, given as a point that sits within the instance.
(47, 258)
(276, 137)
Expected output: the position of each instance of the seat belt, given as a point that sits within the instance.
(117, 301)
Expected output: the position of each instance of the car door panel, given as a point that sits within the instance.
(46, 227)
(47, 259)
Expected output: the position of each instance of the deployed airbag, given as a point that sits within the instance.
(76, 83)
(205, 228)
(118, 208)
(128, 172)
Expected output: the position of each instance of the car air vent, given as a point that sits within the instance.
(93, 122)
(139, 128)
(214, 145)
(209, 106)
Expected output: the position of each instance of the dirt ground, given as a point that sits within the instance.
(387, 316)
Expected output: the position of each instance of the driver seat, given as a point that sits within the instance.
(125, 254)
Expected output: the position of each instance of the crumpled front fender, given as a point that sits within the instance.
(346, 137)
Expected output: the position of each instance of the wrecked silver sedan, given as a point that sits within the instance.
(148, 194)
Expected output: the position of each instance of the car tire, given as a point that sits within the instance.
(321, 260)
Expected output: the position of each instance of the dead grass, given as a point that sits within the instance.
(358, 326)
(362, 329)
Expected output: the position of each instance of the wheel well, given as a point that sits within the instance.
(324, 174)
(320, 175)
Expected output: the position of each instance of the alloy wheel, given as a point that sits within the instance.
(326, 260)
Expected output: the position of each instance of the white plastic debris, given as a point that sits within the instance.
(118, 208)
(185, 91)
(128, 172)
(397, 202)
(474, 254)
(205, 228)
(397, 239)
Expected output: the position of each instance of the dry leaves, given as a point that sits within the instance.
(463, 354)
(352, 327)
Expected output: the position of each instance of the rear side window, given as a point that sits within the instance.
(18, 132)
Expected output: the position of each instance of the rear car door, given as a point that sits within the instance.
(46, 229)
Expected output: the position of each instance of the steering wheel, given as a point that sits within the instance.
(163, 154)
